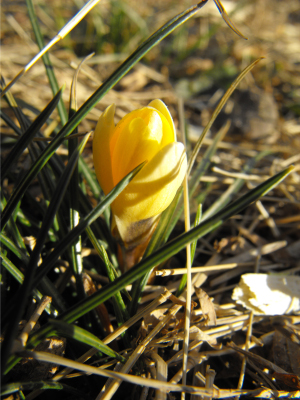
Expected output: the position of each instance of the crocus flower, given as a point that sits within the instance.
(147, 134)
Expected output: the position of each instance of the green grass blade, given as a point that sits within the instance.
(83, 224)
(33, 262)
(46, 60)
(83, 336)
(10, 123)
(11, 268)
(18, 275)
(20, 253)
(119, 305)
(26, 138)
(93, 100)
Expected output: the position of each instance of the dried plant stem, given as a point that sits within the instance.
(188, 260)
(108, 391)
(21, 341)
(244, 362)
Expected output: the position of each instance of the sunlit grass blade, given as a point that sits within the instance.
(26, 138)
(24, 290)
(94, 99)
(193, 250)
(61, 34)
(83, 336)
(9, 244)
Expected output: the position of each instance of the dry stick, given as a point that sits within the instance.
(244, 362)
(209, 380)
(108, 391)
(21, 341)
(147, 310)
(211, 268)
(188, 259)
(161, 373)
(220, 393)
(61, 34)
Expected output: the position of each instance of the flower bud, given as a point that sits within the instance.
(147, 134)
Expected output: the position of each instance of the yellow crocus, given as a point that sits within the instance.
(147, 134)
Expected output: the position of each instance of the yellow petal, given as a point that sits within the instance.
(152, 190)
(101, 149)
(139, 140)
(161, 107)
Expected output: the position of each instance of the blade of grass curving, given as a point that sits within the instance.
(165, 252)
(25, 289)
(26, 138)
(83, 224)
(83, 336)
(226, 18)
(193, 250)
(94, 99)
(218, 109)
